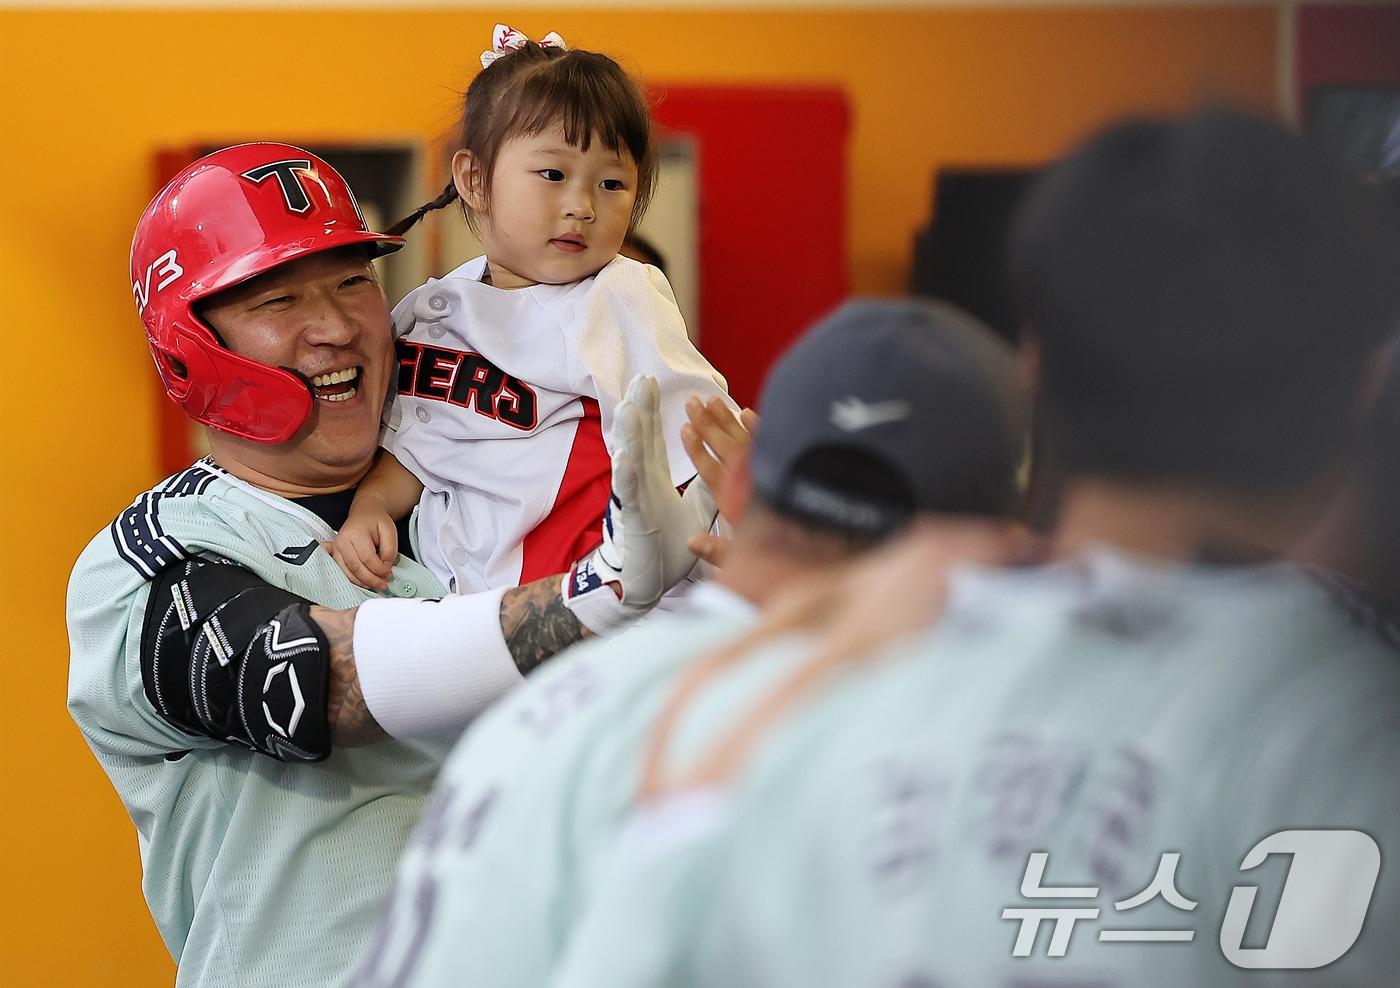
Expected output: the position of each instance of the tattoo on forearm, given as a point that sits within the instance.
(351, 722)
(536, 623)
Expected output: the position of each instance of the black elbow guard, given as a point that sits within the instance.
(227, 656)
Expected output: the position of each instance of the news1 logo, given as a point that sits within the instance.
(1321, 909)
(1325, 899)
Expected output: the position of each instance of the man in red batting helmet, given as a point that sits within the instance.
(274, 204)
(224, 671)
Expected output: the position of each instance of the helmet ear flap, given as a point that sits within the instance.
(229, 392)
(189, 375)
(173, 372)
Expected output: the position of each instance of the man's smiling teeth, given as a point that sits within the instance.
(337, 377)
(332, 380)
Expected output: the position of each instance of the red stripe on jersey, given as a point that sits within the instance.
(574, 525)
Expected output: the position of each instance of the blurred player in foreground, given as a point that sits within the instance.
(1094, 771)
(219, 669)
(885, 412)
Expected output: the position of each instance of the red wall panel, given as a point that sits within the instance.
(772, 175)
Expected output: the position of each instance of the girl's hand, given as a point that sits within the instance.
(366, 547)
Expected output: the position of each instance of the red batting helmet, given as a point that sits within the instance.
(226, 218)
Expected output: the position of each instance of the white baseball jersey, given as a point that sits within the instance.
(1146, 727)
(259, 873)
(481, 369)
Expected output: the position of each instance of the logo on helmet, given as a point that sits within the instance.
(167, 267)
(286, 172)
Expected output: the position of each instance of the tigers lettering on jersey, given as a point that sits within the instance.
(466, 379)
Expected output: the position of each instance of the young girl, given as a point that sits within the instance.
(511, 366)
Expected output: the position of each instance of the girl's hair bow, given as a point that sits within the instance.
(506, 39)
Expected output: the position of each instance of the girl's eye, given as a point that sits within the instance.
(551, 175)
(613, 184)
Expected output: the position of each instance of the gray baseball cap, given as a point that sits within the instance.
(887, 408)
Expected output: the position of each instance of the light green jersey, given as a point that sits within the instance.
(258, 873)
(1104, 712)
(529, 804)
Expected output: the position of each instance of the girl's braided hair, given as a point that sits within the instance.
(531, 88)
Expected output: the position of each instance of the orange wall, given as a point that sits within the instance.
(88, 96)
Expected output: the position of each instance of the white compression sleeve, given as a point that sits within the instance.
(428, 667)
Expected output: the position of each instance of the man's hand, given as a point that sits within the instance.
(714, 436)
(710, 547)
(656, 520)
(647, 527)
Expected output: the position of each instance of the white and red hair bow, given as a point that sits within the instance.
(506, 39)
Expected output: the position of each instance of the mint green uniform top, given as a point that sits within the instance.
(529, 804)
(1103, 711)
(258, 873)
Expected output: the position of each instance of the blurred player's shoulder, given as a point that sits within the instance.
(1367, 610)
(598, 685)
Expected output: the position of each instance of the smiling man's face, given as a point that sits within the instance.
(325, 316)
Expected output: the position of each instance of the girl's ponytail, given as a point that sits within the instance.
(448, 195)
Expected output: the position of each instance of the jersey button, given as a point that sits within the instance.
(422, 413)
(437, 303)
(459, 556)
(407, 590)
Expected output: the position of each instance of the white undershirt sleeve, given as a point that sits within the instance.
(428, 667)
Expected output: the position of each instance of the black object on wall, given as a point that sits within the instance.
(1359, 125)
(960, 255)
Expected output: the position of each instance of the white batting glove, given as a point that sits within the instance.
(646, 527)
